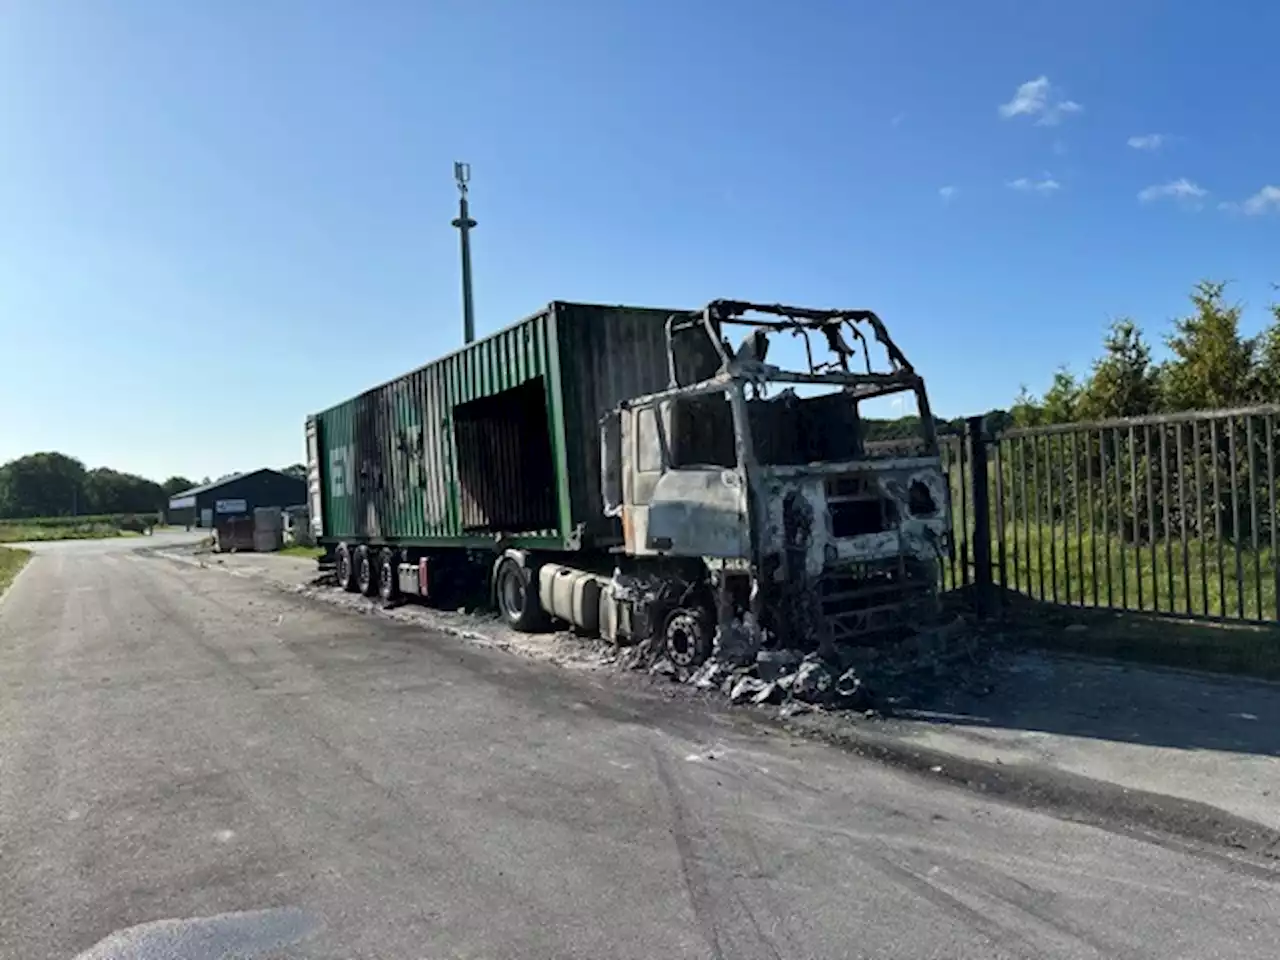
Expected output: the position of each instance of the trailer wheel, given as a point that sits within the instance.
(344, 569)
(366, 572)
(516, 593)
(687, 636)
(388, 575)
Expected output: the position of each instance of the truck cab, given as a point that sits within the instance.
(750, 498)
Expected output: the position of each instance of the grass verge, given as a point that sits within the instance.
(11, 561)
(1195, 578)
(1168, 602)
(25, 532)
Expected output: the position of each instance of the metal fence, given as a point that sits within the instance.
(1172, 514)
(957, 461)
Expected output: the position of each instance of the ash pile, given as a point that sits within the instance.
(920, 671)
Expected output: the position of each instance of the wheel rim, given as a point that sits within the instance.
(512, 591)
(344, 568)
(384, 579)
(365, 573)
(681, 640)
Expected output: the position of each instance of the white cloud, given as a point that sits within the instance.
(1148, 141)
(1054, 112)
(947, 193)
(1182, 190)
(1266, 200)
(1026, 185)
(1030, 98)
(1038, 98)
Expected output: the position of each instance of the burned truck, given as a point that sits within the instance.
(633, 473)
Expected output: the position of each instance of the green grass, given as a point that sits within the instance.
(11, 561)
(21, 531)
(1120, 601)
(29, 529)
(1208, 579)
(296, 550)
(113, 519)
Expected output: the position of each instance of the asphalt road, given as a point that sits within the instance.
(277, 777)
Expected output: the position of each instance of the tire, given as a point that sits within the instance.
(388, 575)
(366, 564)
(687, 637)
(344, 568)
(516, 595)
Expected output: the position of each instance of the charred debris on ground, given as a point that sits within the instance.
(917, 669)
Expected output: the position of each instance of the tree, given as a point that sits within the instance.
(42, 485)
(996, 421)
(296, 470)
(1212, 365)
(109, 491)
(1123, 380)
(1061, 402)
(175, 485)
(1266, 385)
(1026, 410)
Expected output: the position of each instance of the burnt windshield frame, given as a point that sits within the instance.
(788, 429)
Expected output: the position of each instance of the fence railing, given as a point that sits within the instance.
(1172, 514)
(957, 459)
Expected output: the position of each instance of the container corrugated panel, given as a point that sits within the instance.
(608, 354)
(501, 437)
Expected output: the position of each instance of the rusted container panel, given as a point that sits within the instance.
(498, 438)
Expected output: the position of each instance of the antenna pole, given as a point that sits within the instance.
(464, 223)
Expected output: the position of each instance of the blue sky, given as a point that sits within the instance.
(218, 217)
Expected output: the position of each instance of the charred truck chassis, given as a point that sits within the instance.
(745, 518)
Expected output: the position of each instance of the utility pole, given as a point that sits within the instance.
(464, 223)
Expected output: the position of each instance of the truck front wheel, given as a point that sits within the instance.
(687, 637)
(516, 592)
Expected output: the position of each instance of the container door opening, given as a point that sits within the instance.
(506, 481)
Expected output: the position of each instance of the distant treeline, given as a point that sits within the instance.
(906, 427)
(1205, 471)
(56, 485)
(1212, 366)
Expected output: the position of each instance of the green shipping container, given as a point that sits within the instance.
(496, 443)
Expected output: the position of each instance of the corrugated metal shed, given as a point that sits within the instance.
(499, 439)
(238, 494)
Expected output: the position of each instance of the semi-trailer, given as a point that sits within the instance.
(627, 470)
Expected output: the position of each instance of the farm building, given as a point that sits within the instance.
(236, 495)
